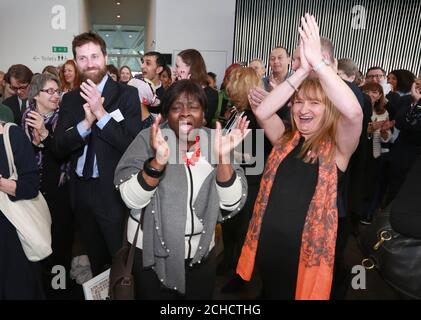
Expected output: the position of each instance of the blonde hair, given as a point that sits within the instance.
(311, 89)
(241, 81)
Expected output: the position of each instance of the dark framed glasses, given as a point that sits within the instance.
(51, 91)
(16, 89)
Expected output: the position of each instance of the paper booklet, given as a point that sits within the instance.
(97, 287)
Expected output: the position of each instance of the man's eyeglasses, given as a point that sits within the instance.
(372, 76)
(16, 89)
(51, 91)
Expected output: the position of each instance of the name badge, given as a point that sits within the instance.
(116, 115)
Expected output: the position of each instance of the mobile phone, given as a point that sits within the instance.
(232, 122)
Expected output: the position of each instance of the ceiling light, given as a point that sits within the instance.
(118, 3)
(130, 36)
(107, 35)
(118, 16)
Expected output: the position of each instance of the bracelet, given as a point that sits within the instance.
(151, 171)
(291, 85)
(320, 65)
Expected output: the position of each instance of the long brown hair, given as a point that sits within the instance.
(380, 105)
(76, 83)
(311, 89)
(194, 60)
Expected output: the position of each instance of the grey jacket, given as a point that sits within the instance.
(164, 218)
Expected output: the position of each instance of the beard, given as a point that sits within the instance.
(95, 77)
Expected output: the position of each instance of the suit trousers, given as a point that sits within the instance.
(101, 226)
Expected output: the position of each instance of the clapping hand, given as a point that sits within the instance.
(158, 143)
(36, 122)
(304, 65)
(93, 98)
(224, 144)
(388, 125)
(310, 40)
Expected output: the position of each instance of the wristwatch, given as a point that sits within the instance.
(321, 65)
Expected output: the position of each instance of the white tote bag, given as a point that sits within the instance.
(31, 218)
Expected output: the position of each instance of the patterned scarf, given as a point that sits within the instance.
(315, 271)
(50, 122)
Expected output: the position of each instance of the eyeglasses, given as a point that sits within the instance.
(16, 89)
(51, 91)
(372, 76)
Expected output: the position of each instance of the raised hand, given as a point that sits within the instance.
(89, 116)
(310, 36)
(225, 144)
(304, 65)
(158, 143)
(388, 125)
(90, 93)
(256, 96)
(35, 120)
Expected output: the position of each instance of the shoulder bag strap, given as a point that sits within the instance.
(130, 258)
(9, 151)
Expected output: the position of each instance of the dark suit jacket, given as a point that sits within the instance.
(13, 103)
(110, 142)
(393, 103)
(405, 216)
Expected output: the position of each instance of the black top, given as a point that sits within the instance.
(393, 104)
(160, 94)
(27, 185)
(50, 168)
(212, 96)
(280, 238)
(405, 215)
(257, 148)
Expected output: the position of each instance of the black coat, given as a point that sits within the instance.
(405, 215)
(110, 142)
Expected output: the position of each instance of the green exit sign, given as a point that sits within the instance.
(60, 49)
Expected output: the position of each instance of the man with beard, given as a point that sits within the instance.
(96, 124)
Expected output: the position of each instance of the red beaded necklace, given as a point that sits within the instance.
(196, 154)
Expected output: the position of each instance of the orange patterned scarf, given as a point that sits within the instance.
(315, 270)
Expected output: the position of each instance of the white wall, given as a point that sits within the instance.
(27, 35)
(205, 25)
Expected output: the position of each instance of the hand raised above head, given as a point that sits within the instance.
(310, 36)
